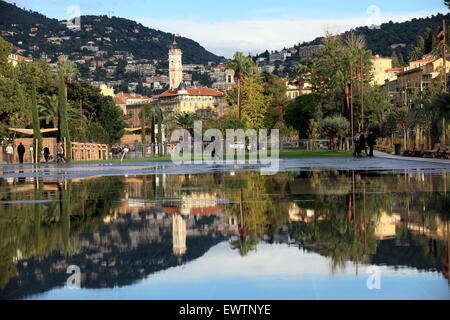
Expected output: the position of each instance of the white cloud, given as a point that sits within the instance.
(257, 35)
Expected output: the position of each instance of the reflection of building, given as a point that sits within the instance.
(297, 214)
(179, 233)
(386, 226)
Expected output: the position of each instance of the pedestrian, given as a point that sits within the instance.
(9, 153)
(357, 151)
(372, 142)
(21, 152)
(60, 153)
(47, 156)
(363, 143)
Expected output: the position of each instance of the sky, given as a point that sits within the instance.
(250, 26)
(273, 272)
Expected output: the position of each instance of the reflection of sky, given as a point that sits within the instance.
(273, 272)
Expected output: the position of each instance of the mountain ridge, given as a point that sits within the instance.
(126, 35)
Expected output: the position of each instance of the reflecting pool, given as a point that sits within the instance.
(234, 235)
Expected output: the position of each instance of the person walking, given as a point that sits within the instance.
(363, 144)
(371, 142)
(357, 151)
(60, 153)
(9, 153)
(21, 152)
(47, 156)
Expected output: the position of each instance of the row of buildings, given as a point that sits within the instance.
(407, 83)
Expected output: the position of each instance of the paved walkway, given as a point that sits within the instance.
(390, 156)
(381, 163)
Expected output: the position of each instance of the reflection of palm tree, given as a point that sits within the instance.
(244, 246)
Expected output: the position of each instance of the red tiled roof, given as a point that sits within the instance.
(171, 210)
(193, 92)
(423, 60)
(394, 70)
(120, 100)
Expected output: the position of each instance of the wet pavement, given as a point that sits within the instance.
(382, 162)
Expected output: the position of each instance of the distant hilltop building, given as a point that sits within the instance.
(308, 51)
(175, 66)
(15, 58)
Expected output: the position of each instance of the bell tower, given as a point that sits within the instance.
(175, 65)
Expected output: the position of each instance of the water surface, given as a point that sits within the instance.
(231, 235)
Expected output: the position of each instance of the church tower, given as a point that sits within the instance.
(175, 66)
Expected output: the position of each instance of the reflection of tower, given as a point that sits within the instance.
(178, 235)
(175, 66)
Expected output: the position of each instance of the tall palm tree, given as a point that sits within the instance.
(185, 120)
(300, 72)
(242, 65)
(68, 69)
(48, 112)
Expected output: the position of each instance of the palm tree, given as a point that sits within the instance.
(68, 69)
(48, 112)
(300, 72)
(242, 65)
(185, 120)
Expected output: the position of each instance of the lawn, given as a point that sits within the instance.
(287, 154)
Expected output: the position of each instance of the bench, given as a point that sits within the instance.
(383, 149)
(436, 150)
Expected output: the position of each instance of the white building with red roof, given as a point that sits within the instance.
(14, 59)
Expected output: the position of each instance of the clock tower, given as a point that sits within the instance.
(175, 66)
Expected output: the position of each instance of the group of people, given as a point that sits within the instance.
(60, 154)
(10, 152)
(361, 143)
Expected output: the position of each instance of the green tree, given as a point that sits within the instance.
(68, 69)
(299, 113)
(112, 120)
(37, 136)
(242, 66)
(185, 120)
(63, 125)
(255, 104)
(335, 127)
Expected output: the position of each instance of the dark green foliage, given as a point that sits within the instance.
(112, 120)
(62, 115)
(299, 112)
(391, 34)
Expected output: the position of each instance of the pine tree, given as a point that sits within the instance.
(395, 60)
(62, 117)
(36, 125)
